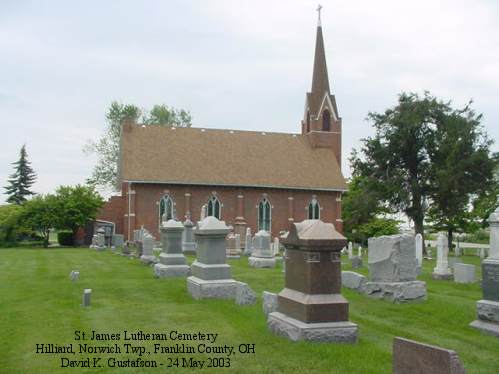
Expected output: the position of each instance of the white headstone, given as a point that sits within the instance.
(204, 209)
(350, 250)
(276, 245)
(442, 267)
(248, 242)
(419, 248)
(359, 252)
(74, 275)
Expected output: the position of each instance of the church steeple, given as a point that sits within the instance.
(321, 119)
(320, 80)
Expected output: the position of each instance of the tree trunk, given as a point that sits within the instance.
(449, 237)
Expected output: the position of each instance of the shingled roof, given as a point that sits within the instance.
(157, 154)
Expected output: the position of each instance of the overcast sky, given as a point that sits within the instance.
(233, 64)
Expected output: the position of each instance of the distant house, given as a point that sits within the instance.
(260, 180)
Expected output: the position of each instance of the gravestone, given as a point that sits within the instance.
(262, 256)
(172, 262)
(248, 243)
(350, 250)
(353, 280)
(211, 276)
(311, 306)
(244, 294)
(458, 248)
(74, 275)
(411, 357)
(393, 269)
(276, 246)
(482, 253)
(359, 252)
(233, 245)
(188, 243)
(147, 256)
(464, 273)
(453, 261)
(118, 240)
(356, 262)
(419, 249)
(87, 293)
(442, 270)
(269, 302)
(488, 307)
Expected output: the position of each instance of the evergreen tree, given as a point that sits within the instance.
(19, 183)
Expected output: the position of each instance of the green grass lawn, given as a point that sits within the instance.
(39, 304)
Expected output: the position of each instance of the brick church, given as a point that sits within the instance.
(255, 179)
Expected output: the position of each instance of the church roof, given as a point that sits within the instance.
(157, 154)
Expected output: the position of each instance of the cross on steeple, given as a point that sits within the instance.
(319, 8)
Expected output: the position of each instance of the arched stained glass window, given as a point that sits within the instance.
(264, 215)
(214, 207)
(326, 120)
(166, 206)
(314, 209)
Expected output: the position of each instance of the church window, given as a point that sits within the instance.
(166, 206)
(326, 120)
(264, 215)
(214, 207)
(314, 209)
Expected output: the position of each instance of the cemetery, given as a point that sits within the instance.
(247, 251)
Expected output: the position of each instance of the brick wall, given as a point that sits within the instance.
(113, 211)
(145, 205)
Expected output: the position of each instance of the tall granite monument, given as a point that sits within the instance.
(488, 307)
(311, 306)
(188, 243)
(172, 262)
(442, 270)
(211, 276)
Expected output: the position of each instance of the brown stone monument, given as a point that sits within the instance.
(311, 306)
(411, 357)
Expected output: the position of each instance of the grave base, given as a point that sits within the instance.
(397, 292)
(323, 332)
(486, 327)
(438, 276)
(167, 271)
(148, 259)
(487, 310)
(211, 289)
(261, 262)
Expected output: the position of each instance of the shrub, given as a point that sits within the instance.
(65, 238)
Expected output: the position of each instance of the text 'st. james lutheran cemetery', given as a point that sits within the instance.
(226, 250)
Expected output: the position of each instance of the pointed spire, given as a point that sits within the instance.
(320, 80)
(319, 8)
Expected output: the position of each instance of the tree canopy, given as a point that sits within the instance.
(20, 182)
(427, 156)
(107, 148)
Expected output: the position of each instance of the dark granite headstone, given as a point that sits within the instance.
(490, 283)
(411, 357)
